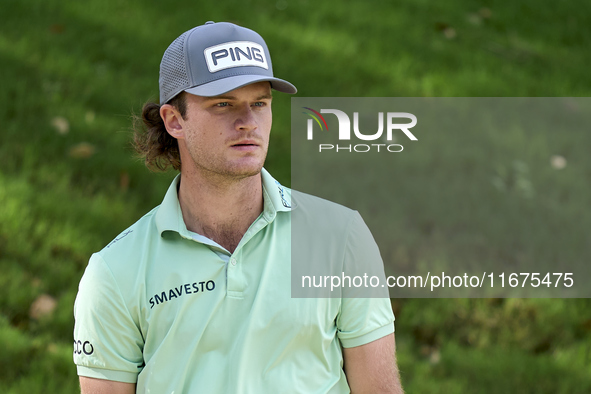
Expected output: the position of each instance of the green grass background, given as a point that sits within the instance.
(95, 62)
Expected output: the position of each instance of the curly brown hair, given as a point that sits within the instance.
(151, 141)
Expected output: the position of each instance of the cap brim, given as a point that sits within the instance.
(225, 85)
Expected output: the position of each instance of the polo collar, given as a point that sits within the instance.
(169, 216)
(279, 197)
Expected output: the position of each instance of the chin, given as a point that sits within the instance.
(245, 171)
(231, 169)
(252, 172)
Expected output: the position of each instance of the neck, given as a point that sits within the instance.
(220, 209)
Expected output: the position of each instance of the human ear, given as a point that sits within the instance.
(172, 121)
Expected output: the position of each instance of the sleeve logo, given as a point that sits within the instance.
(83, 347)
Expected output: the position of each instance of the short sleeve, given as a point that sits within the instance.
(107, 342)
(364, 320)
(366, 312)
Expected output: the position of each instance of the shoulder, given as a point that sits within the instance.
(306, 200)
(129, 237)
(124, 253)
(323, 228)
(317, 211)
(119, 271)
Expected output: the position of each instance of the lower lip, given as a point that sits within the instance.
(245, 148)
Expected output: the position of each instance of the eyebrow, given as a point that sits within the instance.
(265, 96)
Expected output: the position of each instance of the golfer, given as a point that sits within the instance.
(195, 296)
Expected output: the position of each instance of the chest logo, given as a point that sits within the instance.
(182, 290)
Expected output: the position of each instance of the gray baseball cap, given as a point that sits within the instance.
(215, 58)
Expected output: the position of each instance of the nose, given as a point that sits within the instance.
(246, 120)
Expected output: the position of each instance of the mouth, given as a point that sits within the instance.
(245, 144)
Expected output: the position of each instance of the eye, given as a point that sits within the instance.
(260, 104)
(223, 104)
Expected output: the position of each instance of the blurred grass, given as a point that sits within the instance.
(91, 63)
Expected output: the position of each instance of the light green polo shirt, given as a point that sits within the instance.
(174, 312)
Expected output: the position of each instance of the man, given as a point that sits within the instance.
(194, 297)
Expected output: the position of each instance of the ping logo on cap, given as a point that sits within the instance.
(235, 54)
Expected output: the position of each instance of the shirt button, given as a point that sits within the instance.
(233, 261)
